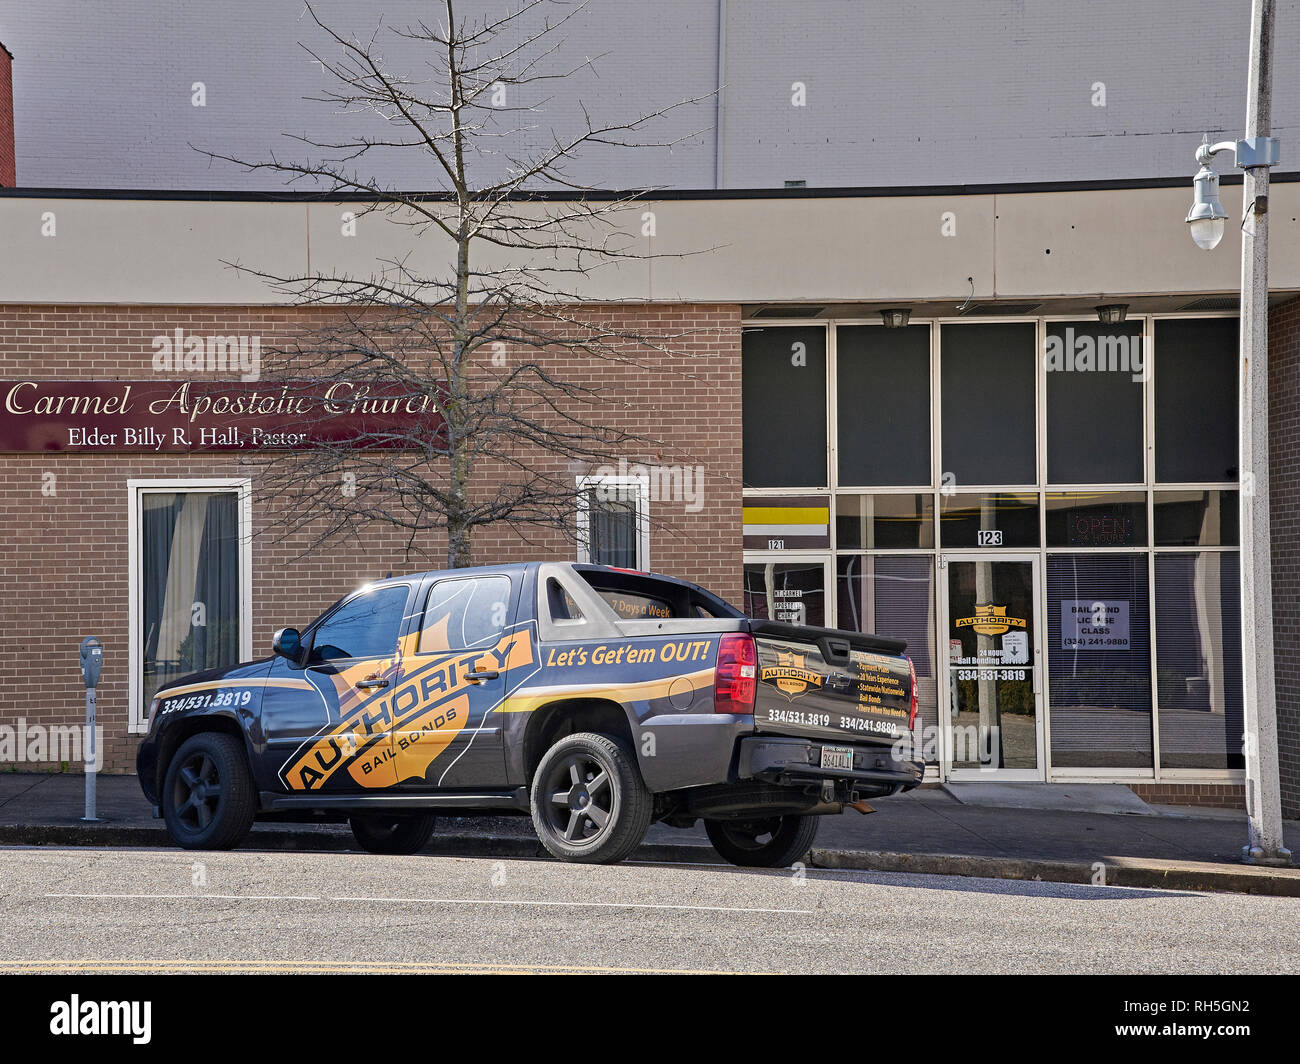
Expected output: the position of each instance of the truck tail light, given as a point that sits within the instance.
(736, 675)
(911, 710)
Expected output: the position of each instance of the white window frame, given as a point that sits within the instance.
(642, 486)
(137, 716)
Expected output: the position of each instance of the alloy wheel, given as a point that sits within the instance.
(198, 792)
(581, 798)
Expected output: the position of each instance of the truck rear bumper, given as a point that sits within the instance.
(790, 761)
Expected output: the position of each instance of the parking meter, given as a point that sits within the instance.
(92, 658)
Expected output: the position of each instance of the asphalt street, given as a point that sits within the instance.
(87, 910)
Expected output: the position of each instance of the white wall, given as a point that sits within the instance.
(824, 249)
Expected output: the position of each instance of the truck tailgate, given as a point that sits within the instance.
(826, 684)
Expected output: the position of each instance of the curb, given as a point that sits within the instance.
(1118, 872)
(339, 841)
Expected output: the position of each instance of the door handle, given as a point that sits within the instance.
(480, 676)
(370, 684)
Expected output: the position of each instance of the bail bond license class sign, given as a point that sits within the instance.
(1094, 624)
(169, 416)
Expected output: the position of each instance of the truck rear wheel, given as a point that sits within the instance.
(208, 800)
(764, 842)
(588, 800)
(392, 834)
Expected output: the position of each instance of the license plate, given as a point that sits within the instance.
(837, 757)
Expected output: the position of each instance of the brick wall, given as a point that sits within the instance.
(1284, 500)
(1206, 795)
(64, 569)
(8, 178)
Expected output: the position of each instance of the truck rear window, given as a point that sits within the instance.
(633, 607)
(642, 597)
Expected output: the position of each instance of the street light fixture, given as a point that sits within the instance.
(1207, 216)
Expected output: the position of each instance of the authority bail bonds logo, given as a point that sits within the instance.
(1071, 353)
(181, 353)
(790, 675)
(990, 620)
(77, 1017)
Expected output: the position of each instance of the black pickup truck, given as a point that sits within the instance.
(597, 700)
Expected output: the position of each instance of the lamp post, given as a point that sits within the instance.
(1254, 154)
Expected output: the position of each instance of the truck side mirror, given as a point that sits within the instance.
(288, 644)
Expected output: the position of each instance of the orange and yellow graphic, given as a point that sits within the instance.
(393, 733)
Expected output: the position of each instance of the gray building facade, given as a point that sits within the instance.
(827, 92)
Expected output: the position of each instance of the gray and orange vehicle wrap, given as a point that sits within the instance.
(439, 718)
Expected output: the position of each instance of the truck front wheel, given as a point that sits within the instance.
(208, 800)
(588, 800)
(764, 842)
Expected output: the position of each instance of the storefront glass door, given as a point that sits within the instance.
(994, 667)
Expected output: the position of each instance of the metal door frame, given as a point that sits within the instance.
(1001, 775)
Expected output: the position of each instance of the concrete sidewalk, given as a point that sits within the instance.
(925, 831)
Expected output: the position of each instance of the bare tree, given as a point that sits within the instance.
(477, 341)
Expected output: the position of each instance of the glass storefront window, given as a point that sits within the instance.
(1094, 402)
(1001, 520)
(883, 404)
(783, 397)
(1198, 660)
(1196, 400)
(1096, 519)
(987, 378)
(888, 522)
(894, 596)
(1196, 519)
(1139, 580)
(1099, 661)
(792, 592)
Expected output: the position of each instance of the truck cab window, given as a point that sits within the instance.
(366, 626)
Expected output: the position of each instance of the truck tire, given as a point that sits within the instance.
(588, 800)
(208, 800)
(769, 842)
(396, 834)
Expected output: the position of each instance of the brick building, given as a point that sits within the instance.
(1005, 454)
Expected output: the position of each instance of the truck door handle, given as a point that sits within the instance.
(479, 677)
(370, 684)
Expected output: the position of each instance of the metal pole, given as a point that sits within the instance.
(1263, 793)
(91, 751)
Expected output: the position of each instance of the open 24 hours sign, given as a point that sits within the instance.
(1094, 624)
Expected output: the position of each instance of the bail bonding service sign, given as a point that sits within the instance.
(169, 416)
